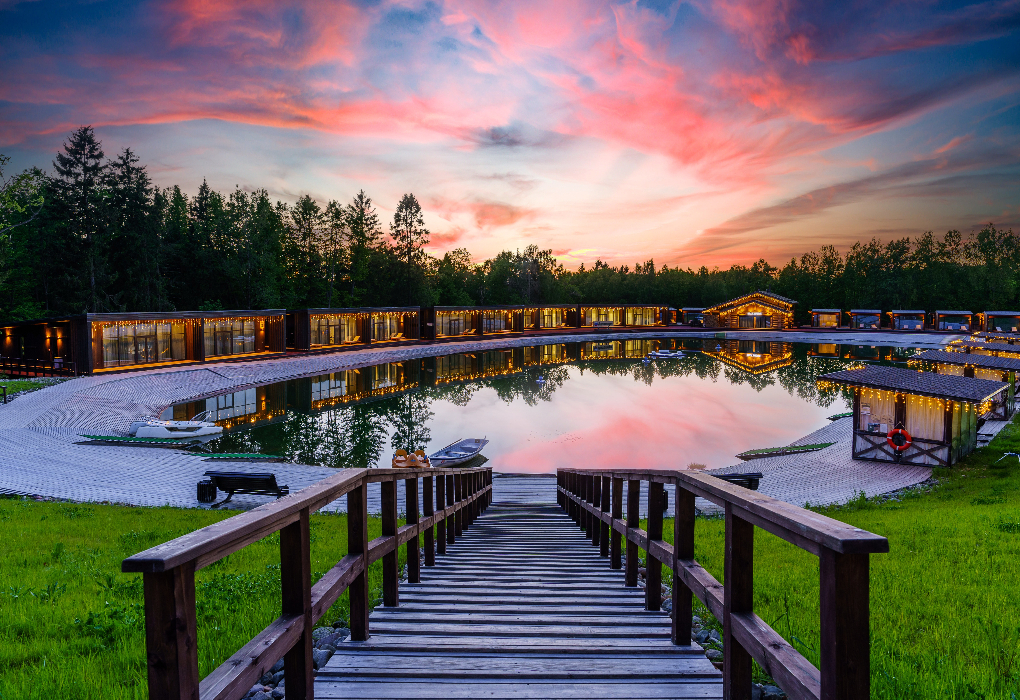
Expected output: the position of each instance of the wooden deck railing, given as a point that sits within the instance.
(460, 495)
(594, 499)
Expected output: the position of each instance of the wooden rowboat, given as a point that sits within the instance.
(458, 453)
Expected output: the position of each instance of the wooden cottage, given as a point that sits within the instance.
(952, 320)
(939, 413)
(906, 320)
(825, 318)
(997, 369)
(984, 347)
(321, 329)
(994, 337)
(861, 319)
(1001, 321)
(549, 317)
(757, 310)
(693, 316)
(89, 343)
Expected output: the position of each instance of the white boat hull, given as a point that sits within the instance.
(175, 429)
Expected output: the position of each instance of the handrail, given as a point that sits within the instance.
(594, 499)
(168, 574)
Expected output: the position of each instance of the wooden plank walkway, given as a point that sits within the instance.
(521, 607)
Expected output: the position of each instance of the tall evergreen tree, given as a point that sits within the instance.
(365, 235)
(409, 237)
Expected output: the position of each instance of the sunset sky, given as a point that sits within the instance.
(705, 132)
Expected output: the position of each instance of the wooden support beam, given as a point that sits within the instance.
(428, 508)
(844, 617)
(171, 633)
(357, 545)
(738, 597)
(653, 566)
(596, 502)
(615, 541)
(391, 573)
(633, 521)
(440, 506)
(296, 590)
(411, 510)
(604, 506)
(683, 549)
(451, 523)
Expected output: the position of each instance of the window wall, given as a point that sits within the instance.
(954, 323)
(1007, 324)
(826, 320)
(143, 343)
(334, 330)
(388, 327)
(449, 323)
(864, 321)
(603, 315)
(229, 336)
(908, 322)
(497, 321)
(638, 316)
(754, 321)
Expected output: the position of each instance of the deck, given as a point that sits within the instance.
(522, 607)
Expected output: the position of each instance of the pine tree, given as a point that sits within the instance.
(365, 234)
(409, 237)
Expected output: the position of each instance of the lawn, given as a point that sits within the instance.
(71, 625)
(945, 611)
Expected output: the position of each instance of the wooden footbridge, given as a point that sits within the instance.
(516, 600)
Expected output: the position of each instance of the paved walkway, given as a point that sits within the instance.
(38, 431)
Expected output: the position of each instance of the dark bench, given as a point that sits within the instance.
(748, 481)
(258, 484)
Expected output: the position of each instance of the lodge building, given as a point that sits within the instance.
(757, 310)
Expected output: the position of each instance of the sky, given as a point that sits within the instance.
(709, 132)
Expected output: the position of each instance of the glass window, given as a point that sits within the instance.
(602, 315)
(450, 323)
(745, 321)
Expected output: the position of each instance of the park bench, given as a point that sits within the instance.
(748, 481)
(258, 484)
(601, 324)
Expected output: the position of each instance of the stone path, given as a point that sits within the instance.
(38, 431)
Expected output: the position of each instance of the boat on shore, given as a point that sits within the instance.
(458, 453)
(665, 354)
(175, 429)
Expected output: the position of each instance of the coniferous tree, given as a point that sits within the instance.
(365, 235)
(409, 237)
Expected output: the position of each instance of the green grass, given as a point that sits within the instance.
(945, 601)
(16, 385)
(788, 448)
(71, 625)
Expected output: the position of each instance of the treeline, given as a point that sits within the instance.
(96, 235)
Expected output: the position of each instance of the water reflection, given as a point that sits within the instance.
(599, 404)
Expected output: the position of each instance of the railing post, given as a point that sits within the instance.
(458, 490)
(451, 526)
(357, 544)
(559, 485)
(603, 525)
(615, 554)
(428, 510)
(296, 589)
(411, 509)
(596, 502)
(589, 519)
(738, 597)
(653, 567)
(844, 616)
(633, 521)
(441, 505)
(171, 633)
(391, 583)
(683, 549)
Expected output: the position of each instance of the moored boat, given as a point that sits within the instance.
(174, 429)
(458, 453)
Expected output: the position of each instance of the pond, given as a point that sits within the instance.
(580, 404)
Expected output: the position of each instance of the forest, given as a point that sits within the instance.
(95, 234)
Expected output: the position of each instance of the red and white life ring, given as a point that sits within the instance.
(898, 439)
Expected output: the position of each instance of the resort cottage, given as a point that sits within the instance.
(952, 320)
(998, 369)
(314, 329)
(865, 318)
(903, 320)
(1002, 321)
(911, 417)
(757, 310)
(825, 318)
(984, 347)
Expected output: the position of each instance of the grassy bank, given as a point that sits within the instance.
(945, 612)
(71, 625)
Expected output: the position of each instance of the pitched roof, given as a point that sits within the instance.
(963, 358)
(908, 381)
(747, 297)
(985, 345)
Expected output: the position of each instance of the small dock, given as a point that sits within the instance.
(522, 607)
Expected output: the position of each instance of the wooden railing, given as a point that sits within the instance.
(451, 500)
(14, 367)
(594, 499)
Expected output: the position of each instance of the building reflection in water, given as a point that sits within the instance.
(356, 417)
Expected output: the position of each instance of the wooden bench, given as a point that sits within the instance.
(258, 484)
(601, 324)
(748, 481)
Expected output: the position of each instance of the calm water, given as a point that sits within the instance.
(599, 406)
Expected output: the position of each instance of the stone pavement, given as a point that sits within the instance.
(38, 431)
